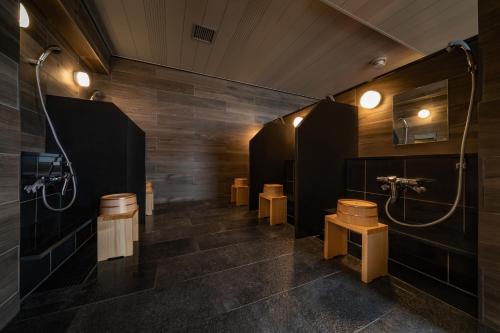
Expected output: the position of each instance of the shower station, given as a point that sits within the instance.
(396, 184)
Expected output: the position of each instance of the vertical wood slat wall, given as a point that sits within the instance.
(197, 127)
(489, 162)
(9, 161)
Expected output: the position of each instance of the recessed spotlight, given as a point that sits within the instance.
(379, 62)
(82, 79)
(424, 113)
(24, 18)
(370, 99)
(297, 121)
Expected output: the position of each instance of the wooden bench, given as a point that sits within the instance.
(374, 253)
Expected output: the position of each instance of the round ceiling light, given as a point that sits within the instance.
(370, 99)
(297, 121)
(24, 18)
(424, 113)
(82, 79)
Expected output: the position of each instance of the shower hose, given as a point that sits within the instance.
(460, 172)
(54, 134)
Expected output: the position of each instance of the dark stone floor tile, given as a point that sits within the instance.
(177, 269)
(54, 323)
(340, 303)
(215, 260)
(276, 231)
(158, 222)
(158, 251)
(110, 279)
(179, 232)
(247, 284)
(229, 237)
(276, 314)
(424, 314)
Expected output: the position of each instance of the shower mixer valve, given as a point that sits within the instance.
(51, 179)
(394, 184)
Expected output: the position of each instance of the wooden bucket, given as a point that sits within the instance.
(120, 203)
(240, 182)
(358, 212)
(274, 190)
(149, 187)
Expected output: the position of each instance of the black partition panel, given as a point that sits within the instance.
(270, 148)
(107, 150)
(325, 138)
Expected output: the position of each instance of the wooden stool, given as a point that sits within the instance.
(239, 191)
(272, 203)
(115, 235)
(374, 251)
(149, 198)
(117, 225)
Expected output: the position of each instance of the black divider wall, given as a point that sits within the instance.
(324, 139)
(269, 149)
(107, 150)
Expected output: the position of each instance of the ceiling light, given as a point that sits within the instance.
(297, 121)
(424, 113)
(379, 62)
(82, 79)
(24, 18)
(370, 99)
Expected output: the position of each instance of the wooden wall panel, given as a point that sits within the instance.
(197, 127)
(9, 161)
(489, 159)
(375, 126)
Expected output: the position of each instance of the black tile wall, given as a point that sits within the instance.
(425, 258)
(463, 272)
(442, 259)
(33, 271)
(355, 170)
(62, 252)
(381, 167)
(48, 238)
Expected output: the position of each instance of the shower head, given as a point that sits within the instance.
(45, 54)
(95, 94)
(405, 123)
(466, 48)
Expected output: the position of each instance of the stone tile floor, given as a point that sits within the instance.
(208, 267)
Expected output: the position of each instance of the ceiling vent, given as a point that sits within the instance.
(203, 34)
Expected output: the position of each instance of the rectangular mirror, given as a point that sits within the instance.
(420, 115)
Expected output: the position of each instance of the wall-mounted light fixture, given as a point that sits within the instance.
(82, 79)
(424, 113)
(24, 18)
(370, 99)
(297, 121)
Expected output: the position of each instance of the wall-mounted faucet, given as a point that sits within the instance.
(394, 184)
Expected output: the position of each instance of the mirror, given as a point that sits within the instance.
(420, 115)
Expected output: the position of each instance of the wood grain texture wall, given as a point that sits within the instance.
(56, 76)
(489, 159)
(197, 127)
(9, 161)
(375, 126)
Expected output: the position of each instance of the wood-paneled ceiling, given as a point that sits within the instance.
(304, 47)
(424, 25)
